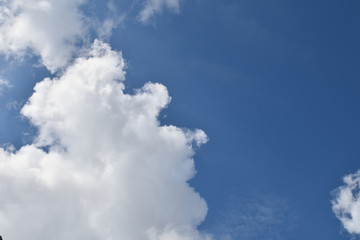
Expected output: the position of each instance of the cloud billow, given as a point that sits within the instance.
(48, 28)
(101, 165)
(109, 171)
(346, 203)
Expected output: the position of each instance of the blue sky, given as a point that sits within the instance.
(273, 84)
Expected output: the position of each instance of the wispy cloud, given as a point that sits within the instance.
(4, 84)
(154, 7)
(254, 217)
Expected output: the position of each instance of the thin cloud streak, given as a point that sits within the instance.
(154, 7)
(4, 84)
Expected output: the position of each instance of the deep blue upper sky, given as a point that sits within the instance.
(274, 84)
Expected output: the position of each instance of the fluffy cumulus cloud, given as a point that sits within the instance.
(102, 166)
(346, 203)
(48, 28)
(153, 7)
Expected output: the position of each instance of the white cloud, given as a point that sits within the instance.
(48, 28)
(56, 30)
(346, 203)
(109, 171)
(153, 7)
